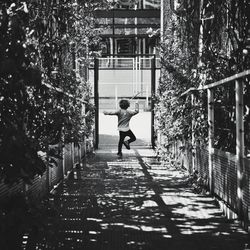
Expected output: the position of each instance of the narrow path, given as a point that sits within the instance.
(134, 203)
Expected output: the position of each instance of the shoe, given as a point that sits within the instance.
(126, 144)
(119, 154)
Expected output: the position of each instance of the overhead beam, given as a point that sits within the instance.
(149, 13)
(126, 36)
(126, 26)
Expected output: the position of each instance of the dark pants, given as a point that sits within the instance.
(122, 137)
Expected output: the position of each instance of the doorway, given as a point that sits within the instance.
(129, 77)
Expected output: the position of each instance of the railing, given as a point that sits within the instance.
(134, 62)
(42, 185)
(227, 174)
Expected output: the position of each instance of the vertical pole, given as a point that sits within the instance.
(112, 53)
(113, 27)
(193, 136)
(72, 154)
(210, 98)
(84, 142)
(239, 143)
(143, 46)
(116, 96)
(133, 77)
(201, 34)
(162, 20)
(152, 101)
(146, 96)
(63, 161)
(136, 74)
(96, 96)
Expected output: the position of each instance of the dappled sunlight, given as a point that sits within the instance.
(135, 203)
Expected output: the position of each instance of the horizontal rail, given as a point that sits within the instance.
(218, 83)
(123, 83)
(127, 13)
(188, 91)
(128, 55)
(226, 80)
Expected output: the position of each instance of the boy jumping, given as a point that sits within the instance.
(124, 116)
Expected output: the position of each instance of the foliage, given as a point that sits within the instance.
(202, 43)
(41, 92)
(174, 114)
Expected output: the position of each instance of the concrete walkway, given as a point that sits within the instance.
(134, 202)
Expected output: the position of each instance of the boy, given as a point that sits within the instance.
(124, 117)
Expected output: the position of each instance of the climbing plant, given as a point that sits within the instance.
(41, 90)
(203, 42)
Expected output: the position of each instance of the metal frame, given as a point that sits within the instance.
(96, 101)
(123, 13)
(153, 68)
(96, 96)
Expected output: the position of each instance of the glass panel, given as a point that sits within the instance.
(124, 21)
(152, 4)
(148, 20)
(104, 21)
(125, 31)
(126, 4)
(142, 31)
(107, 31)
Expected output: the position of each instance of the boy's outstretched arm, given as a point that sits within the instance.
(136, 111)
(110, 112)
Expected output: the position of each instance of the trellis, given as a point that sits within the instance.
(241, 205)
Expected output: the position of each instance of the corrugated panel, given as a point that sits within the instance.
(56, 174)
(83, 149)
(8, 190)
(187, 157)
(3, 190)
(246, 189)
(68, 157)
(39, 186)
(201, 162)
(225, 177)
(76, 154)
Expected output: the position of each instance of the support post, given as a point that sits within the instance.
(84, 139)
(133, 75)
(96, 94)
(116, 96)
(63, 148)
(152, 101)
(73, 154)
(239, 143)
(136, 74)
(193, 135)
(146, 97)
(210, 98)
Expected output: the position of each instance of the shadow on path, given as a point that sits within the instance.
(136, 203)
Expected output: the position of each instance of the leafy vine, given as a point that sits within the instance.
(202, 43)
(41, 89)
